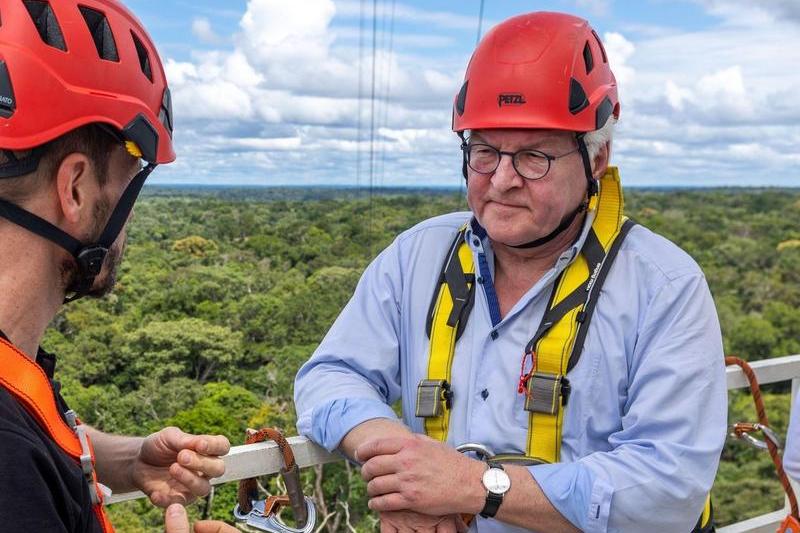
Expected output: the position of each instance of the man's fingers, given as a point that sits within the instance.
(388, 502)
(381, 465)
(215, 445)
(383, 485)
(210, 466)
(213, 526)
(370, 449)
(196, 484)
(175, 519)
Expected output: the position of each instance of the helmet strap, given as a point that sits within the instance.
(587, 163)
(15, 167)
(565, 223)
(88, 257)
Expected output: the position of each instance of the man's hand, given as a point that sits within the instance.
(176, 521)
(408, 522)
(420, 474)
(175, 467)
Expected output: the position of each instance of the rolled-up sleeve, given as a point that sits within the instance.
(663, 459)
(354, 375)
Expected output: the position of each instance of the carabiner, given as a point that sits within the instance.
(742, 430)
(484, 452)
(263, 514)
(262, 519)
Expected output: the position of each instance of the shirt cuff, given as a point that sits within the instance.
(576, 493)
(328, 423)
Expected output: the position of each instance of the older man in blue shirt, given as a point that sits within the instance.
(645, 422)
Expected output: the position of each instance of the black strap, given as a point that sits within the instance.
(15, 167)
(89, 257)
(461, 286)
(587, 164)
(39, 226)
(594, 295)
(594, 254)
(563, 225)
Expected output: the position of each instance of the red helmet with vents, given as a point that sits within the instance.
(539, 70)
(68, 63)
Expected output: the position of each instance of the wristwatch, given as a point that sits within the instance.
(496, 482)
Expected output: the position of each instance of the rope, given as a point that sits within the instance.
(249, 487)
(761, 414)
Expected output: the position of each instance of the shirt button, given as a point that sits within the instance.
(476, 242)
(495, 335)
(485, 393)
(480, 280)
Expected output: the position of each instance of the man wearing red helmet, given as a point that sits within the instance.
(83, 102)
(573, 357)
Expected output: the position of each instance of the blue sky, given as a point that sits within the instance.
(266, 92)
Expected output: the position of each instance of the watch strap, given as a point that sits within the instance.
(493, 499)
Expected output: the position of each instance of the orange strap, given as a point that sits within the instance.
(28, 383)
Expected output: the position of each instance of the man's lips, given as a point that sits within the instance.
(506, 204)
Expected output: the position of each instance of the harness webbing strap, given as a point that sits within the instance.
(29, 385)
(573, 289)
(554, 340)
(447, 318)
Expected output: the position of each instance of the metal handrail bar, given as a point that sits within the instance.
(252, 460)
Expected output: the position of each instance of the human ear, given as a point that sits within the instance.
(600, 161)
(76, 187)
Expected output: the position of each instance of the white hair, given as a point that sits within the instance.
(596, 139)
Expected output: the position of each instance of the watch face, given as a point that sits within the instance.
(496, 480)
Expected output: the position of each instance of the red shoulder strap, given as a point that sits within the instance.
(24, 379)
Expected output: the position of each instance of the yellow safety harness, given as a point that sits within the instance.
(553, 350)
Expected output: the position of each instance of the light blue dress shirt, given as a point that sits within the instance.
(791, 455)
(646, 418)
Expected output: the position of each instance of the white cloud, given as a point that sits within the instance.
(201, 28)
(706, 106)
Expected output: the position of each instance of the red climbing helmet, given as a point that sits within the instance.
(68, 63)
(539, 70)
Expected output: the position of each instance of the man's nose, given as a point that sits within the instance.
(506, 176)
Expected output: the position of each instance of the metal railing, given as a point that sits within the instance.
(252, 460)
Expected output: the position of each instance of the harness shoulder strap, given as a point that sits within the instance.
(448, 314)
(29, 385)
(554, 347)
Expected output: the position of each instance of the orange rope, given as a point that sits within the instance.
(761, 413)
(248, 488)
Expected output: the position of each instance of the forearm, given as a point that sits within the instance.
(524, 505)
(114, 459)
(369, 430)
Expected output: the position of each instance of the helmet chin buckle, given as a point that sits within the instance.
(90, 260)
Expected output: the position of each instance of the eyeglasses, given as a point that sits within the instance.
(530, 164)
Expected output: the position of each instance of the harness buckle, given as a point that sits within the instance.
(433, 397)
(87, 465)
(546, 393)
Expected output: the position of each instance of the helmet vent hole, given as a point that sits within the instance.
(144, 58)
(46, 24)
(588, 60)
(577, 97)
(101, 33)
(600, 44)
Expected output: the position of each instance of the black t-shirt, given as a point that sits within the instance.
(42, 489)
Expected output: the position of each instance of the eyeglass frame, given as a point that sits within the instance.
(465, 147)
